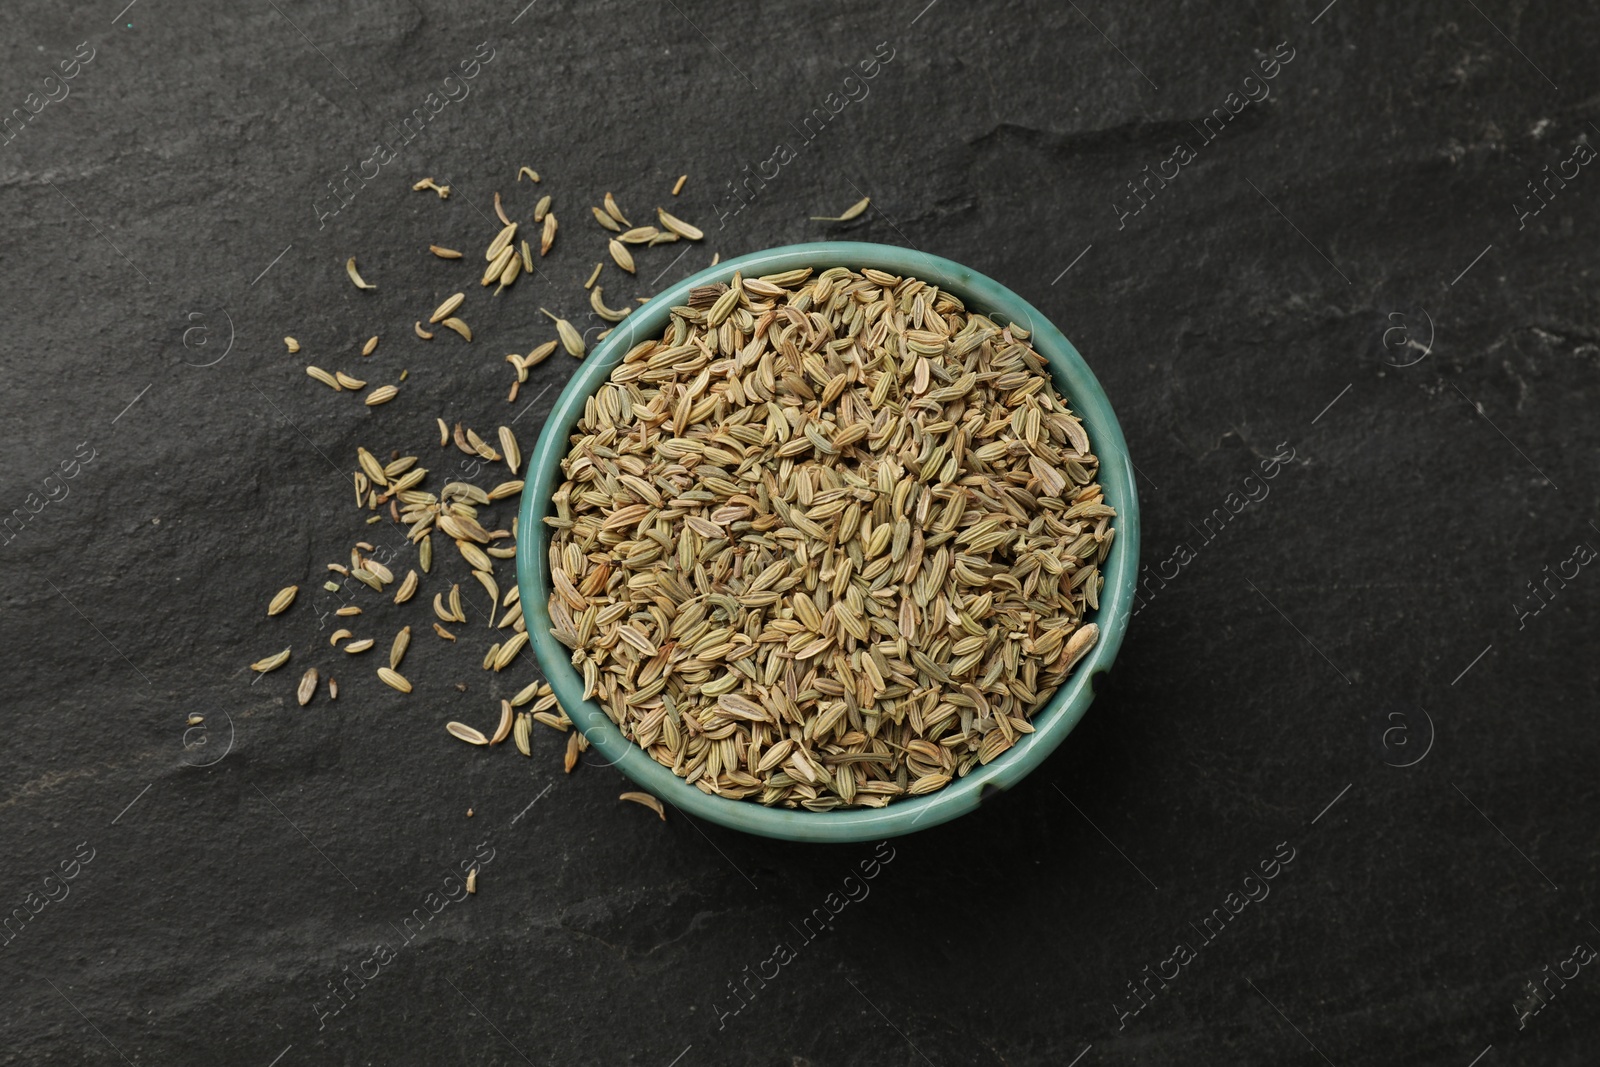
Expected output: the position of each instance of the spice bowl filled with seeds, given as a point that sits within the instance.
(825, 542)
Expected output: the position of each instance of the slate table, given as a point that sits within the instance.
(1352, 242)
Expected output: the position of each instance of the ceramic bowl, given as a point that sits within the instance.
(1052, 723)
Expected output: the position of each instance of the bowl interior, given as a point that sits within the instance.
(1051, 723)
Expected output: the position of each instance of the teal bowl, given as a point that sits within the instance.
(1052, 723)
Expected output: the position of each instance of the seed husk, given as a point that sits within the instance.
(1078, 644)
(282, 599)
(474, 555)
(614, 211)
(723, 307)
(362, 645)
(446, 309)
(532, 174)
(849, 213)
(498, 210)
(271, 663)
(678, 226)
(337, 636)
(677, 186)
(620, 255)
(513, 268)
(508, 447)
(381, 395)
(594, 276)
(459, 327)
(397, 650)
(482, 448)
(407, 588)
(424, 334)
(540, 354)
(606, 220)
(350, 269)
(333, 689)
(348, 610)
(597, 302)
(503, 731)
(501, 242)
(348, 382)
(325, 378)
(508, 651)
(542, 208)
(308, 687)
(570, 760)
(444, 253)
(472, 877)
(497, 266)
(466, 733)
(393, 679)
(648, 801)
(571, 339)
(371, 346)
(409, 474)
(291, 344)
(371, 467)
(442, 632)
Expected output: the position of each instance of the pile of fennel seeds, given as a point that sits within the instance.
(828, 541)
(401, 489)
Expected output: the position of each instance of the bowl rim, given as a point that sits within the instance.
(1051, 723)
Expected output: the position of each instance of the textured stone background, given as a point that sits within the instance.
(1345, 270)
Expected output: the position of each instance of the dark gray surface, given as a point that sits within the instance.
(1381, 577)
